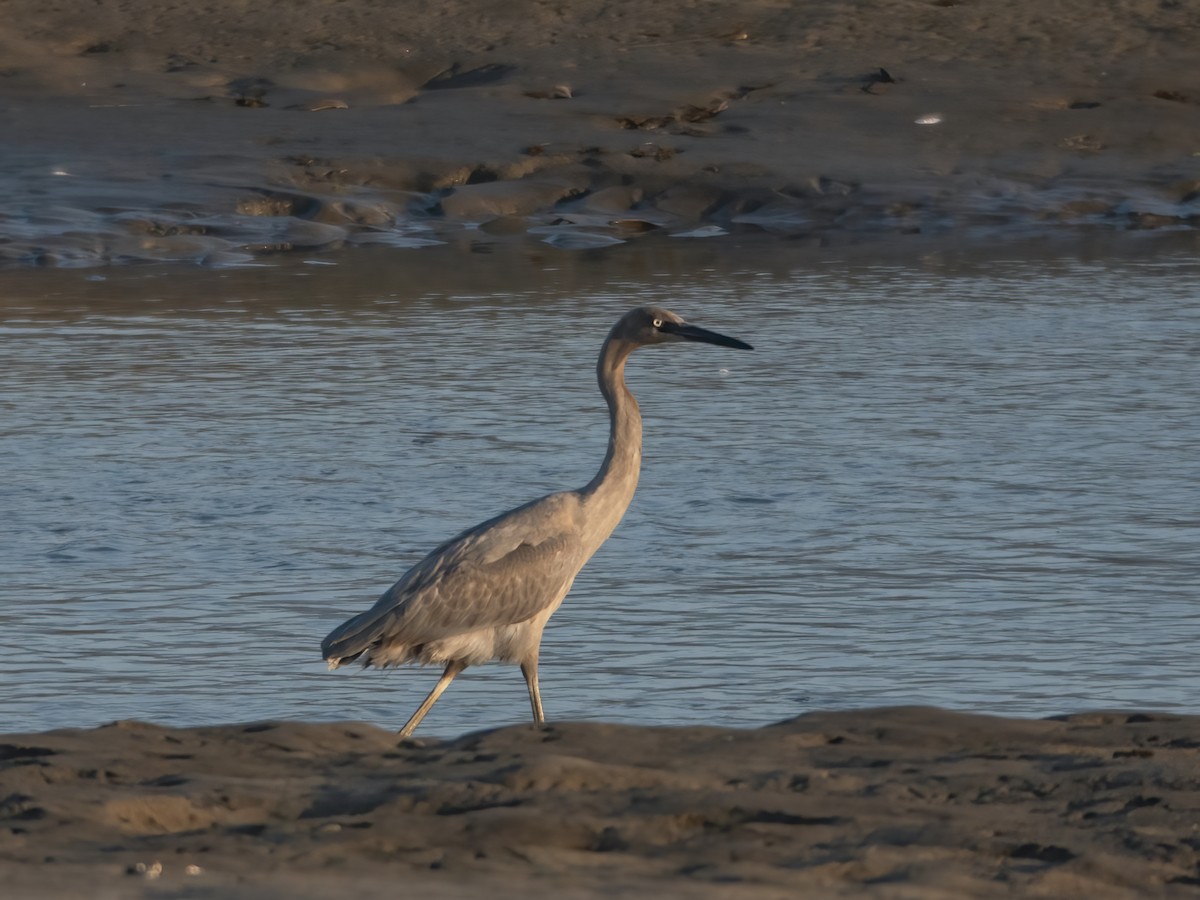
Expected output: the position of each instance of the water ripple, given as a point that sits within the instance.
(923, 488)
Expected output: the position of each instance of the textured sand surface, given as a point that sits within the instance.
(154, 130)
(904, 802)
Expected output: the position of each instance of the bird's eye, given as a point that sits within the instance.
(658, 323)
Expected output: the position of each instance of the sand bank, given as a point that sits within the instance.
(904, 802)
(150, 130)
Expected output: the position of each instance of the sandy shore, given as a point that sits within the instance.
(904, 802)
(150, 130)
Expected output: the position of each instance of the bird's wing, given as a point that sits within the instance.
(501, 572)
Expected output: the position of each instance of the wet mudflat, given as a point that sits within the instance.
(133, 136)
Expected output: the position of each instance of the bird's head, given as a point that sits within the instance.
(655, 325)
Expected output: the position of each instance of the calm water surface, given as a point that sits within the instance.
(978, 489)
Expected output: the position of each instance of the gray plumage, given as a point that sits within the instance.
(488, 592)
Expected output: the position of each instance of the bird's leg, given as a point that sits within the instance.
(529, 670)
(452, 669)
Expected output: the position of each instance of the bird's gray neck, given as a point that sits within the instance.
(610, 492)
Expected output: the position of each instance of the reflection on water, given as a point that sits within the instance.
(973, 489)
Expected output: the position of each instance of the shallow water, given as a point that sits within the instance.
(974, 486)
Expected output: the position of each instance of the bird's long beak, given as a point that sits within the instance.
(703, 335)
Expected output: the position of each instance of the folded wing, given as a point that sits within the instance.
(502, 572)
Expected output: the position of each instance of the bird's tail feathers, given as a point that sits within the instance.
(352, 638)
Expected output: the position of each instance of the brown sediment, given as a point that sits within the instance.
(405, 123)
(901, 802)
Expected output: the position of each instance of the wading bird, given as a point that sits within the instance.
(488, 593)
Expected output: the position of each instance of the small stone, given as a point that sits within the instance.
(1083, 143)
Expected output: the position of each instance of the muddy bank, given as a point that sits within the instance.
(136, 132)
(898, 802)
